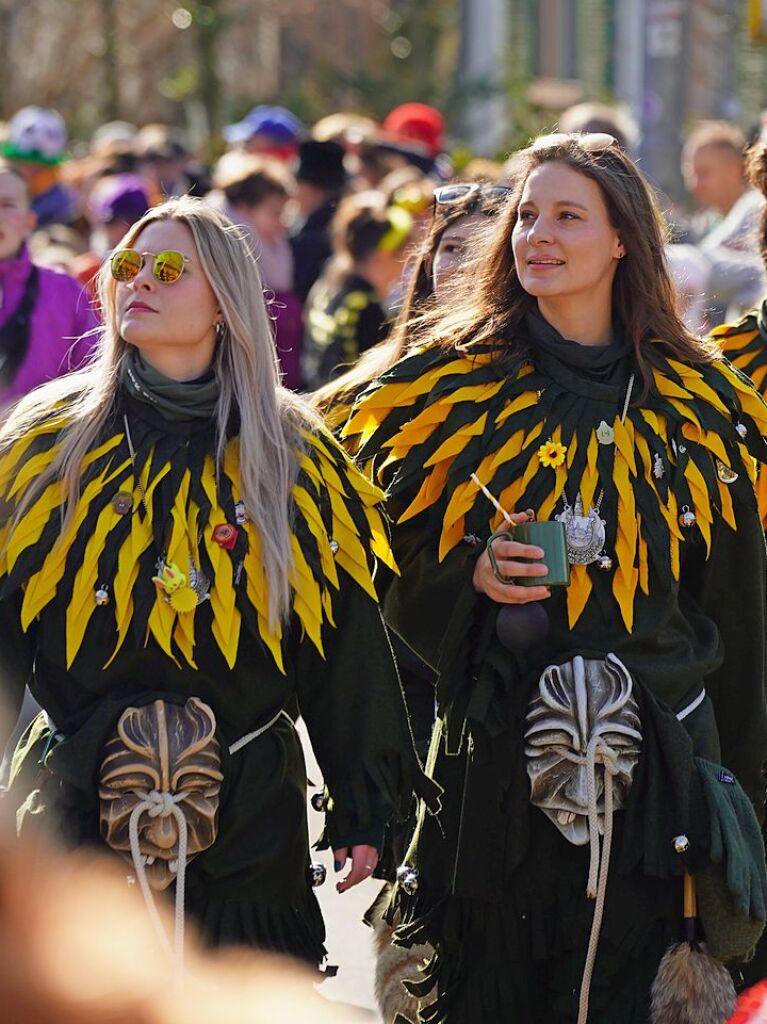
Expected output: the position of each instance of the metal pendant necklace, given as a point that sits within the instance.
(183, 591)
(586, 532)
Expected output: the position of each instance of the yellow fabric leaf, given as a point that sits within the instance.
(578, 593)
(701, 503)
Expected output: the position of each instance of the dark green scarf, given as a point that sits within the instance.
(175, 399)
(599, 362)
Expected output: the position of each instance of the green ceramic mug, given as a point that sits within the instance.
(551, 537)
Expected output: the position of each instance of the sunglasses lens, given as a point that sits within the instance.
(453, 193)
(168, 266)
(125, 264)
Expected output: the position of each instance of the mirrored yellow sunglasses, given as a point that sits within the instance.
(167, 266)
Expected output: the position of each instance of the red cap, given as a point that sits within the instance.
(417, 122)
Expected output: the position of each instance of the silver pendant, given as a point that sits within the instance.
(658, 469)
(585, 533)
(605, 433)
(741, 429)
(725, 474)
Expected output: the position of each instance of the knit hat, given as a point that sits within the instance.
(122, 197)
(321, 164)
(36, 136)
(276, 123)
(419, 123)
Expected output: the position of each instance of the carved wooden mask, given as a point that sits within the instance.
(166, 748)
(575, 702)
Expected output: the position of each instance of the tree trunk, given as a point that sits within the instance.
(111, 104)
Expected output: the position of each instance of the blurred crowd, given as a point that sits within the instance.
(335, 214)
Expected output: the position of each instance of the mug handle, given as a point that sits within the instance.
(507, 581)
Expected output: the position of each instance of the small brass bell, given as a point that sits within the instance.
(334, 546)
(681, 844)
(317, 873)
(687, 518)
(604, 563)
(101, 597)
(742, 429)
(407, 879)
(319, 802)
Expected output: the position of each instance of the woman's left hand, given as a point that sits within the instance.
(364, 860)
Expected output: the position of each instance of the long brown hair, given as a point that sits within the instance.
(420, 290)
(488, 304)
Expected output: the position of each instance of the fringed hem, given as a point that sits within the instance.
(494, 961)
(296, 929)
(373, 792)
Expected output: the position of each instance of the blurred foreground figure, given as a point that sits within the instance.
(76, 947)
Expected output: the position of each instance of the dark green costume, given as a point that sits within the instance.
(745, 345)
(501, 892)
(85, 660)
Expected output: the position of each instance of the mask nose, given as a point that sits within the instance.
(577, 789)
(163, 832)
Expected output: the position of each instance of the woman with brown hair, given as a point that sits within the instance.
(582, 727)
(458, 211)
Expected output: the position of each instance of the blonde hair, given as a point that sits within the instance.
(246, 368)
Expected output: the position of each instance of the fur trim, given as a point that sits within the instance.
(394, 966)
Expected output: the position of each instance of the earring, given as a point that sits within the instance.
(220, 327)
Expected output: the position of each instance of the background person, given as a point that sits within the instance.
(36, 145)
(713, 163)
(346, 310)
(46, 321)
(320, 182)
(254, 192)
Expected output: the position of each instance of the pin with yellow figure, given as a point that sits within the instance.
(175, 588)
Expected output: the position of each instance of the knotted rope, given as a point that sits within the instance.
(162, 805)
(599, 865)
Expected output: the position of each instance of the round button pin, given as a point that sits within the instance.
(122, 503)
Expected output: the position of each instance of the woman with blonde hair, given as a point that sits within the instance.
(184, 552)
(602, 727)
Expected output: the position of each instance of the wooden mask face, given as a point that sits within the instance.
(577, 706)
(162, 748)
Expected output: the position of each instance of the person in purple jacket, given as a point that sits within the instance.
(46, 320)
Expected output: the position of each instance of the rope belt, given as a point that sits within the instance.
(599, 864)
(164, 805)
